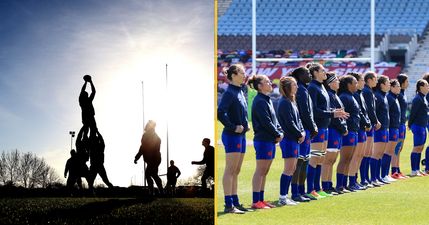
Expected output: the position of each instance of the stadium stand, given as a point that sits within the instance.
(323, 17)
(327, 29)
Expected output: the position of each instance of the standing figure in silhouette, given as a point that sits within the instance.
(172, 174)
(208, 160)
(85, 103)
(150, 149)
(96, 157)
(73, 169)
(82, 153)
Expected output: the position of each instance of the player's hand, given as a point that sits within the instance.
(378, 125)
(313, 134)
(340, 113)
(301, 139)
(239, 129)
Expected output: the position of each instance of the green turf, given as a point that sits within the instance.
(403, 202)
(106, 211)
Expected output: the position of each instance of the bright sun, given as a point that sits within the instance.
(119, 114)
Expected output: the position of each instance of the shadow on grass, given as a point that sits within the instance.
(90, 210)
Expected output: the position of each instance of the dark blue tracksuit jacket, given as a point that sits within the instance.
(394, 110)
(352, 107)
(402, 98)
(305, 108)
(288, 115)
(340, 125)
(382, 109)
(365, 122)
(264, 120)
(232, 110)
(321, 105)
(419, 111)
(369, 97)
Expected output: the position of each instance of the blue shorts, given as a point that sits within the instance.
(381, 135)
(361, 136)
(350, 139)
(393, 134)
(304, 147)
(290, 148)
(234, 143)
(322, 136)
(264, 149)
(370, 133)
(402, 131)
(419, 134)
(335, 140)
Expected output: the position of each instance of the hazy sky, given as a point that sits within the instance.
(47, 46)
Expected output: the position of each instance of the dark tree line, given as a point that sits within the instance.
(26, 170)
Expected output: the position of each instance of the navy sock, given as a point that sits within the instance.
(294, 189)
(345, 181)
(331, 185)
(373, 163)
(379, 169)
(284, 184)
(255, 197)
(352, 180)
(389, 161)
(310, 178)
(368, 162)
(413, 160)
(385, 164)
(235, 201)
(228, 201)
(395, 170)
(399, 169)
(419, 156)
(325, 185)
(362, 170)
(301, 189)
(261, 196)
(339, 180)
(427, 159)
(317, 178)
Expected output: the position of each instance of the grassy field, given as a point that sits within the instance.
(106, 211)
(402, 202)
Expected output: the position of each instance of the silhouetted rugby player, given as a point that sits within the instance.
(172, 174)
(85, 103)
(208, 160)
(82, 153)
(150, 149)
(73, 169)
(96, 157)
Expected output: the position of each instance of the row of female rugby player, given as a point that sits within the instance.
(360, 116)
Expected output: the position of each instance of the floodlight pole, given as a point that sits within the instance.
(166, 88)
(72, 133)
(144, 163)
(372, 35)
(253, 37)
